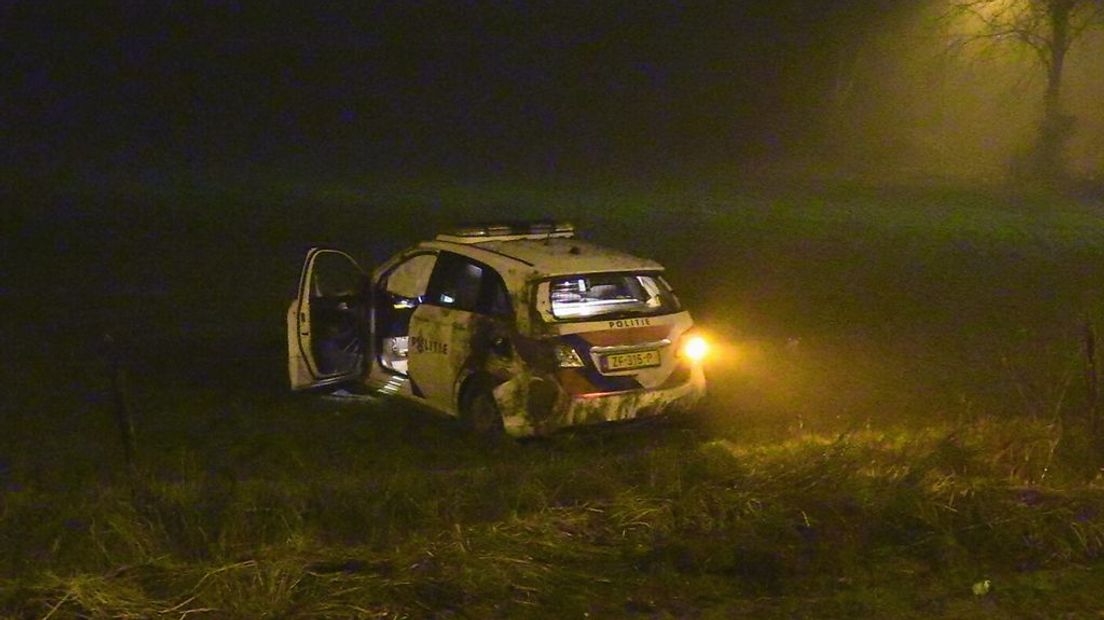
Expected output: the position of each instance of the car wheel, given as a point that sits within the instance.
(480, 412)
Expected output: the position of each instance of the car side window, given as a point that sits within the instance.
(493, 298)
(455, 283)
(334, 276)
(464, 284)
(410, 278)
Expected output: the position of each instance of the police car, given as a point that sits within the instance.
(517, 328)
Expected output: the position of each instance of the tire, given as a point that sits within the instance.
(480, 411)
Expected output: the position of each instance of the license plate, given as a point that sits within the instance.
(629, 361)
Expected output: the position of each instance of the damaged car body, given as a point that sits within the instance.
(517, 328)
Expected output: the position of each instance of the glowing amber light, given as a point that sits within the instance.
(695, 348)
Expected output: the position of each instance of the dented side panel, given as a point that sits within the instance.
(533, 405)
(543, 397)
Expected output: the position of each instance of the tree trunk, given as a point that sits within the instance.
(1056, 126)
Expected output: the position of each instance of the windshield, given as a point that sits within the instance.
(608, 295)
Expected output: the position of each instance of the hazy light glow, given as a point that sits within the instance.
(949, 87)
(695, 348)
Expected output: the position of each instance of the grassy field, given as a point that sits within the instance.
(897, 426)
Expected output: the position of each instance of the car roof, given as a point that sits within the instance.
(548, 257)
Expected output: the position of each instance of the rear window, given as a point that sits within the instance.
(610, 295)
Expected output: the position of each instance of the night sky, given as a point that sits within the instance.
(360, 89)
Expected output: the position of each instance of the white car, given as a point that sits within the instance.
(516, 328)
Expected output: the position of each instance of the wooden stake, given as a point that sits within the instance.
(1092, 382)
(124, 408)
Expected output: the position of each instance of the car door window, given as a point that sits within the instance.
(464, 284)
(410, 278)
(493, 298)
(334, 276)
(456, 283)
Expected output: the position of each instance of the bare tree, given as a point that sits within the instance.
(1048, 28)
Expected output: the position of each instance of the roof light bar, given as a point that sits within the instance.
(508, 231)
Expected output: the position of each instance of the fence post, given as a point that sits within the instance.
(1092, 382)
(123, 408)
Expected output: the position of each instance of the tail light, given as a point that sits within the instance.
(567, 356)
(693, 346)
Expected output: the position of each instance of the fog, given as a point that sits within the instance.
(159, 93)
(915, 93)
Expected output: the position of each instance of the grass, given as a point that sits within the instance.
(673, 519)
(896, 420)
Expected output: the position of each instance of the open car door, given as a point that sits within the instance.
(327, 321)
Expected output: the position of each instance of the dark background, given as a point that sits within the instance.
(212, 92)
